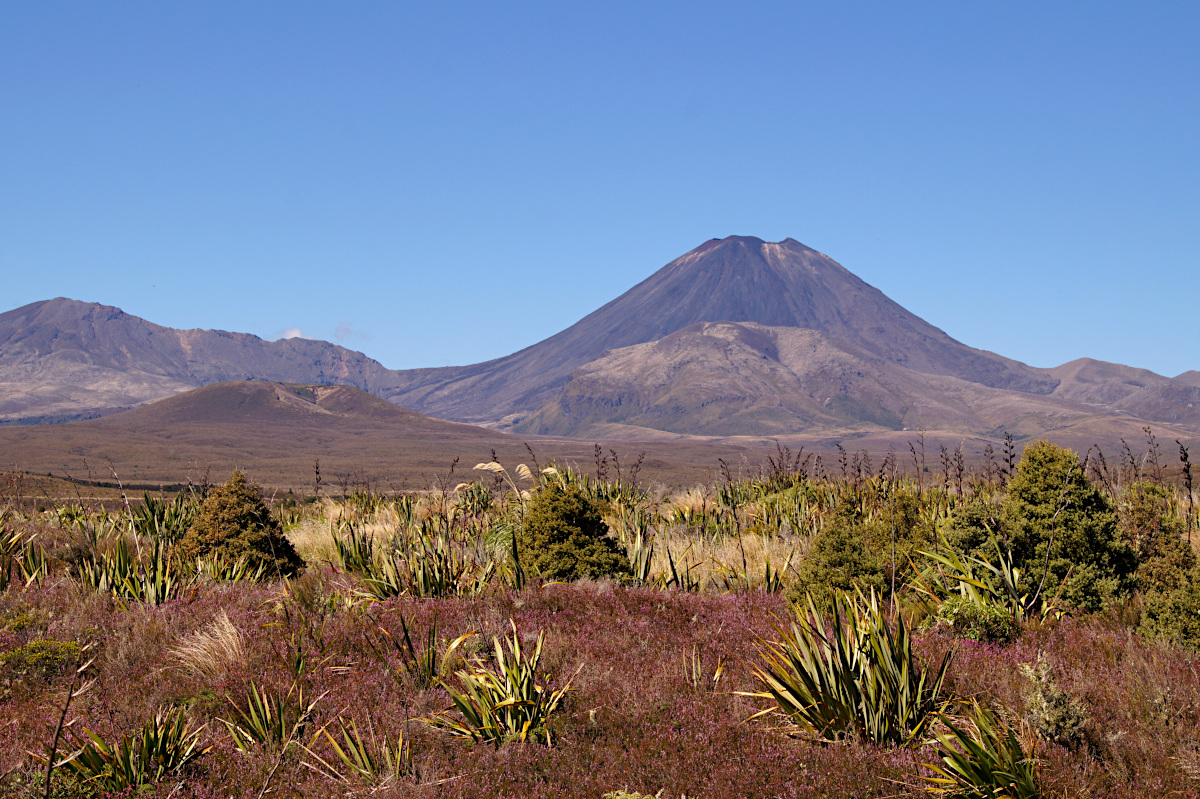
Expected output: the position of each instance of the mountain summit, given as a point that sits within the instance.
(737, 279)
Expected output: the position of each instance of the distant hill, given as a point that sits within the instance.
(63, 359)
(278, 432)
(739, 337)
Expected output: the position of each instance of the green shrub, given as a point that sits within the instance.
(853, 551)
(233, 523)
(563, 537)
(982, 622)
(42, 657)
(839, 560)
(1173, 612)
(1055, 523)
(1145, 521)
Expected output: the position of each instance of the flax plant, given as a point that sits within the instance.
(164, 746)
(270, 721)
(502, 701)
(373, 758)
(151, 580)
(860, 681)
(982, 759)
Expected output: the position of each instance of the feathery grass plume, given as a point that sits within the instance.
(210, 653)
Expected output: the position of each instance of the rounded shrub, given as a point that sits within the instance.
(233, 522)
(563, 537)
(42, 657)
(1058, 525)
(987, 624)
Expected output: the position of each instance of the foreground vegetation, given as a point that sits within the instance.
(803, 631)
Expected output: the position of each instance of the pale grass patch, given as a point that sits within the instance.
(211, 652)
(711, 558)
(313, 540)
(694, 500)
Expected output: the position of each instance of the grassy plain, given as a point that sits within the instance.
(355, 665)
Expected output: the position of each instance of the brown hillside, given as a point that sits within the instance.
(62, 357)
(726, 379)
(276, 432)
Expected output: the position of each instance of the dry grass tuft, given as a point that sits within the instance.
(212, 652)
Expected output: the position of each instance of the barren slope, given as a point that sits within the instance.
(63, 357)
(737, 279)
(746, 379)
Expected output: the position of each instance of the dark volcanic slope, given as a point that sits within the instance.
(737, 279)
(62, 356)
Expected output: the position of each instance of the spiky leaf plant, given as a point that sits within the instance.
(860, 681)
(270, 721)
(164, 745)
(982, 759)
(151, 578)
(502, 701)
(373, 758)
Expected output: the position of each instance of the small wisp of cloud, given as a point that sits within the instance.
(347, 330)
(291, 332)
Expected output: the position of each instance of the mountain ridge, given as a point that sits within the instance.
(738, 336)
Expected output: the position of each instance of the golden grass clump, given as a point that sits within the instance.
(210, 653)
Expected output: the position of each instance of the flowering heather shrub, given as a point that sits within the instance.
(643, 714)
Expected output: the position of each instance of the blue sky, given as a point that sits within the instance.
(444, 183)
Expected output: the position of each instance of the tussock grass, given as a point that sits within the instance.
(211, 652)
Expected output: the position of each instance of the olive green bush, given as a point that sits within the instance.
(233, 522)
(852, 551)
(41, 657)
(1054, 714)
(1062, 532)
(563, 537)
(982, 622)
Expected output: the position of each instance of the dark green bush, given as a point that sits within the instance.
(840, 558)
(851, 551)
(1174, 615)
(987, 624)
(234, 522)
(563, 537)
(1055, 523)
